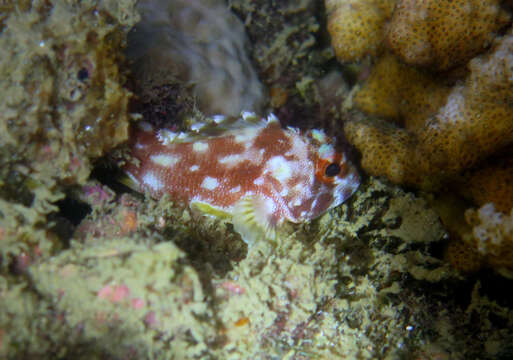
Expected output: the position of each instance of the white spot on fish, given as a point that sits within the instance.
(218, 118)
(200, 146)
(209, 183)
(319, 135)
(279, 168)
(149, 179)
(165, 160)
(235, 189)
(166, 137)
(271, 118)
(270, 205)
(230, 160)
(194, 168)
(293, 130)
(314, 203)
(326, 151)
(258, 181)
(299, 148)
(197, 126)
(284, 192)
(246, 137)
(248, 115)
(298, 187)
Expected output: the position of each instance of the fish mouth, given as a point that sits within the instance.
(345, 187)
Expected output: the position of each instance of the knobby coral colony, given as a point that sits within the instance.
(254, 172)
(441, 85)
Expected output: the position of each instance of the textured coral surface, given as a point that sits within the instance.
(356, 27)
(487, 242)
(443, 33)
(493, 235)
(437, 103)
(474, 121)
(493, 183)
(400, 93)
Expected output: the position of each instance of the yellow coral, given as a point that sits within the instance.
(443, 33)
(356, 26)
(493, 183)
(394, 90)
(460, 254)
(482, 237)
(463, 257)
(475, 121)
(379, 141)
(492, 237)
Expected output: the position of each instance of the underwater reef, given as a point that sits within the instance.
(412, 266)
(436, 88)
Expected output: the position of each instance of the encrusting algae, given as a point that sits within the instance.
(63, 105)
(282, 298)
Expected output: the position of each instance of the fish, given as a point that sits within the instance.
(253, 172)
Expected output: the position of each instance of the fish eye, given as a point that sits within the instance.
(332, 170)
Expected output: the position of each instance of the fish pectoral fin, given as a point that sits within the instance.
(252, 219)
(129, 181)
(208, 209)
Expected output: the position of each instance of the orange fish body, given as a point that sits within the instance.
(259, 174)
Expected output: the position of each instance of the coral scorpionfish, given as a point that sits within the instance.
(256, 172)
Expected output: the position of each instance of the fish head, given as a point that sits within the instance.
(334, 178)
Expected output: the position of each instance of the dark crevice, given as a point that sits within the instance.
(110, 176)
(73, 210)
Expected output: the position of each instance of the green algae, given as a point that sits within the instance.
(343, 286)
(311, 293)
(160, 298)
